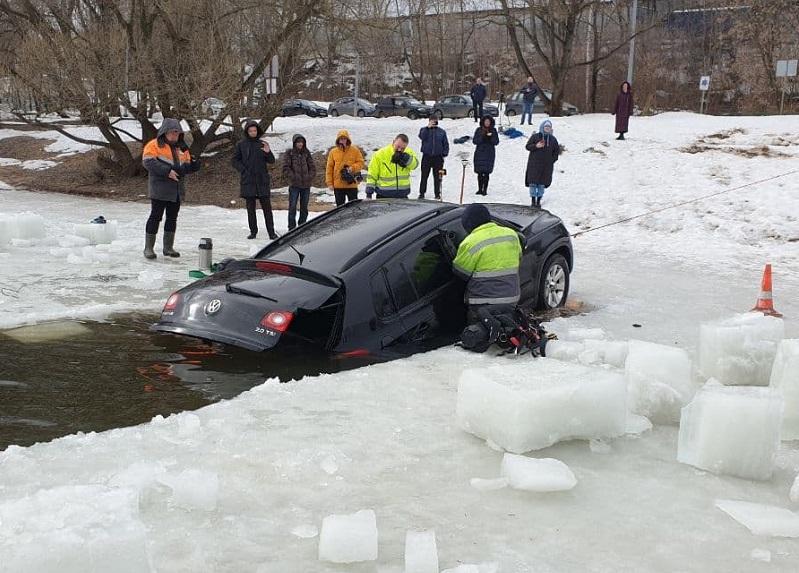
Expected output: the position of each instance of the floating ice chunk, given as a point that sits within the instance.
(482, 484)
(537, 474)
(307, 531)
(73, 529)
(21, 226)
(794, 494)
(329, 465)
(421, 553)
(566, 350)
(47, 332)
(785, 378)
(740, 350)
(533, 404)
(585, 334)
(193, 489)
(761, 555)
(613, 352)
(731, 430)
(762, 519)
(659, 381)
(637, 424)
(97, 234)
(349, 538)
(151, 279)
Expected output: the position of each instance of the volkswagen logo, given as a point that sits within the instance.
(213, 306)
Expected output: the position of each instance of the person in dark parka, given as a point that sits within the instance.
(299, 170)
(251, 159)
(623, 109)
(544, 150)
(478, 94)
(435, 148)
(485, 140)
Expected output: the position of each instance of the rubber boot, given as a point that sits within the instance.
(149, 245)
(169, 242)
(538, 202)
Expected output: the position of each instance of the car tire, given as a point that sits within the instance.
(361, 113)
(470, 114)
(439, 114)
(334, 112)
(553, 287)
(413, 115)
(510, 112)
(380, 114)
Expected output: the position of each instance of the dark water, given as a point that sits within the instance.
(118, 373)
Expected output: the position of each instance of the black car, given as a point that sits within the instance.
(457, 106)
(362, 278)
(302, 107)
(405, 106)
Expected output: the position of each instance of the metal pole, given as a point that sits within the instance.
(357, 82)
(631, 57)
(588, 57)
(782, 99)
(463, 179)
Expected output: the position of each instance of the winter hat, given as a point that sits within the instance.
(475, 215)
(254, 124)
(543, 125)
(297, 137)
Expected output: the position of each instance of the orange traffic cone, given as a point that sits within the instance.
(765, 304)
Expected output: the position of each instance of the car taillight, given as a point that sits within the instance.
(274, 267)
(171, 302)
(278, 320)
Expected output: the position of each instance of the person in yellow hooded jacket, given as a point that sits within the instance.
(390, 170)
(344, 165)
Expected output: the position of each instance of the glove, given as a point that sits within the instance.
(404, 159)
(370, 190)
(346, 175)
(395, 159)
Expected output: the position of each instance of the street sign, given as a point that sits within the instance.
(704, 83)
(786, 68)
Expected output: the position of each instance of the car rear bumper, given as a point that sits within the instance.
(213, 335)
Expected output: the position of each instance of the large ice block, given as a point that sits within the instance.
(731, 430)
(659, 381)
(761, 519)
(97, 234)
(349, 538)
(23, 226)
(740, 350)
(785, 378)
(532, 404)
(421, 553)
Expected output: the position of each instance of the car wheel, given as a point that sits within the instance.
(413, 115)
(361, 113)
(380, 114)
(553, 290)
(334, 112)
(510, 112)
(470, 114)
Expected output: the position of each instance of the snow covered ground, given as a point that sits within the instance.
(222, 489)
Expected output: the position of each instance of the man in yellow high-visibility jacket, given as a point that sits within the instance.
(390, 170)
(488, 258)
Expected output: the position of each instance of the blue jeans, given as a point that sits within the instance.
(303, 195)
(536, 190)
(528, 111)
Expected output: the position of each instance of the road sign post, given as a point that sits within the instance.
(785, 69)
(704, 86)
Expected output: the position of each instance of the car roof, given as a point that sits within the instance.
(333, 242)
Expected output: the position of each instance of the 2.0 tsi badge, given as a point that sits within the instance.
(213, 306)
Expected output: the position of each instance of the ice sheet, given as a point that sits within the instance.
(760, 519)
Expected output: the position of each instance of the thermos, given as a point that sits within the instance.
(206, 249)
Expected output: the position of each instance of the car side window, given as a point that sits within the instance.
(418, 271)
(381, 298)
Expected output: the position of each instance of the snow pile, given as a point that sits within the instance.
(537, 474)
(421, 553)
(659, 381)
(193, 489)
(740, 350)
(531, 405)
(97, 234)
(21, 226)
(732, 430)
(73, 529)
(762, 519)
(785, 378)
(349, 538)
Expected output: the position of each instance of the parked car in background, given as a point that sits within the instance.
(302, 107)
(405, 106)
(347, 106)
(457, 106)
(515, 105)
(363, 278)
(212, 106)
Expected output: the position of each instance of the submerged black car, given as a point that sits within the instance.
(362, 278)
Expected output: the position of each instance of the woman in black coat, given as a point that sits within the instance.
(486, 140)
(544, 150)
(623, 109)
(251, 159)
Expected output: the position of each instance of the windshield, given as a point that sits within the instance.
(363, 102)
(414, 101)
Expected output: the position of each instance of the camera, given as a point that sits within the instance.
(442, 172)
(347, 175)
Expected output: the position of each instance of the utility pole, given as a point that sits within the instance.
(357, 82)
(631, 58)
